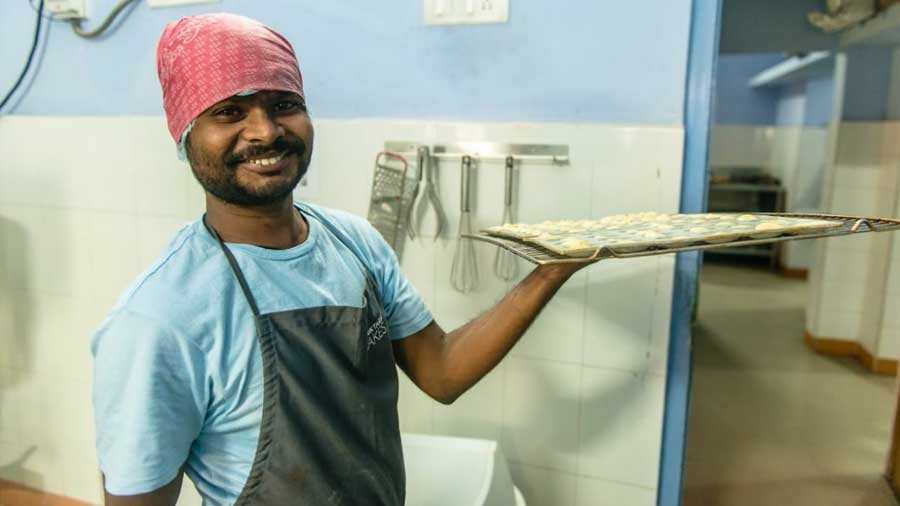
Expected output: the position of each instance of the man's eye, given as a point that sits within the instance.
(227, 112)
(288, 105)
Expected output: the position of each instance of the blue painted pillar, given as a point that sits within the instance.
(698, 113)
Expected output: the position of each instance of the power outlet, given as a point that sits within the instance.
(66, 9)
(461, 12)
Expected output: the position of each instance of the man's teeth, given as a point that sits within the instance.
(267, 161)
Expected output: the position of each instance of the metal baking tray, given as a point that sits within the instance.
(849, 225)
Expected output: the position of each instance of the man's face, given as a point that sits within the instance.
(252, 151)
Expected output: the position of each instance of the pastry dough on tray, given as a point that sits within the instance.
(632, 232)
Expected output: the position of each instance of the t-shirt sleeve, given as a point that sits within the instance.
(149, 402)
(403, 306)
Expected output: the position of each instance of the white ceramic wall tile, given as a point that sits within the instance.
(189, 495)
(662, 315)
(621, 426)
(114, 253)
(740, 146)
(892, 287)
(889, 343)
(19, 463)
(477, 413)
(783, 157)
(153, 236)
(37, 175)
(161, 184)
(860, 178)
(48, 250)
(844, 296)
(48, 334)
(8, 411)
(838, 324)
(619, 313)
(39, 430)
(593, 492)
(852, 201)
(628, 175)
(669, 158)
(558, 332)
(859, 144)
(17, 227)
(77, 343)
(540, 413)
(544, 487)
(892, 310)
(341, 154)
(417, 263)
(109, 147)
(810, 169)
(415, 408)
(845, 266)
(84, 481)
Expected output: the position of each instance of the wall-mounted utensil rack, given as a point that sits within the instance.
(555, 154)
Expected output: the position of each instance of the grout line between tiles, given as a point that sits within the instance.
(584, 337)
(580, 475)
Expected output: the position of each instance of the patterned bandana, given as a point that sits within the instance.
(202, 60)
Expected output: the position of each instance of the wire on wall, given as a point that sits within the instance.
(30, 60)
(76, 23)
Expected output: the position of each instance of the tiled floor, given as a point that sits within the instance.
(772, 423)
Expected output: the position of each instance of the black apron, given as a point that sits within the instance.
(329, 434)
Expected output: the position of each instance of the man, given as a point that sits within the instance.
(258, 354)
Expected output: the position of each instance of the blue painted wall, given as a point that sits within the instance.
(819, 101)
(617, 62)
(800, 103)
(790, 104)
(868, 84)
(737, 103)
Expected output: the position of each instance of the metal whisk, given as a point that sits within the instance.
(464, 273)
(505, 266)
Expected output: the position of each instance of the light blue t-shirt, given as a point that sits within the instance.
(177, 364)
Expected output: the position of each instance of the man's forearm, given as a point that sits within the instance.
(471, 351)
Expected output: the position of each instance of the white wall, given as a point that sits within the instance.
(796, 155)
(87, 203)
(855, 277)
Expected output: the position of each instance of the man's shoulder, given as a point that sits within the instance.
(187, 265)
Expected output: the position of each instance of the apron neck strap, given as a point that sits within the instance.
(235, 268)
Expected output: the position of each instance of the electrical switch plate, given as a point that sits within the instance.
(461, 12)
(66, 9)
(173, 3)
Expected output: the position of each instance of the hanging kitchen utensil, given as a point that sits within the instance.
(505, 265)
(430, 196)
(421, 156)
(464, 272)
(392, 193)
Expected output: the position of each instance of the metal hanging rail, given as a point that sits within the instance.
(556, 154)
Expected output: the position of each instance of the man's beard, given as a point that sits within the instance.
(219, 177)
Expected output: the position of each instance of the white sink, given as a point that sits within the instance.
(454, 471)
(441, 471)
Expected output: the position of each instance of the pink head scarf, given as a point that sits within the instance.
(204, 59)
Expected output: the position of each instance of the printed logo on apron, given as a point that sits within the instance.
(376, 332)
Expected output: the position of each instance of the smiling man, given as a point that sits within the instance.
(258, 354)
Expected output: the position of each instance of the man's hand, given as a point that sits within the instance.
(444, 365)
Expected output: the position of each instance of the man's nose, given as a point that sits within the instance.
(261, 127)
